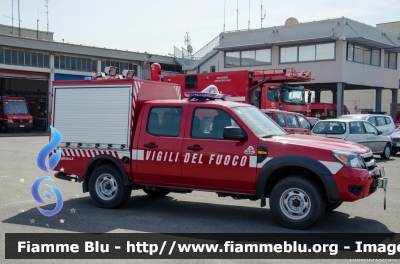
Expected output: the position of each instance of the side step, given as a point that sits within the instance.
(67, 177)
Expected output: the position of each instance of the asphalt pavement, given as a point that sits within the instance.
(198, 212)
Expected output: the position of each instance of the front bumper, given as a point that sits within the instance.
(19, 126)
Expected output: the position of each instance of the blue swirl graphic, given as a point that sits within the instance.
(36, 196)
(56, 139)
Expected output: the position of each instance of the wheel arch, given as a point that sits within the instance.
(101, 160)
(284, 166)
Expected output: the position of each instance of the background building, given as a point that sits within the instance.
(30, 60)
(352, 63)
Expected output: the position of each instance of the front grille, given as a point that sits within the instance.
(370, 162)
(396, 139)
(20, 121)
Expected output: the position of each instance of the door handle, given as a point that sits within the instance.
(194, 148)
(151, 145)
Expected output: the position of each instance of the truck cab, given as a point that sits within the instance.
(14, 114)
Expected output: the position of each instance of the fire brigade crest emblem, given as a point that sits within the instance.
(249, 150)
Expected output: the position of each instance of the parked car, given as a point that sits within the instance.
(359, 131)
(383, 123)
(291, 122)
(395, 137)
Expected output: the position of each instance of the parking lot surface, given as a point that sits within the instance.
(198, 212)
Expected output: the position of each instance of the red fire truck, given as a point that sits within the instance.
(324, 110)
(120, 135)
(266, 89)
(14, 114)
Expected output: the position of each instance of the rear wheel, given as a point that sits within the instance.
(154, 193)
(297, 202)
(106, 187)
(386, 152)
(2, 128)
(332, 206)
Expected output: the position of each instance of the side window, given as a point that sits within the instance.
(164, 121)
(304, 122)
(356, 128)
(292, 121)
(372, 120)
(388, 120)
(191, 82)
(380, 121)
(210, 123)
(280, 118)
(269, 115)
(370, 128)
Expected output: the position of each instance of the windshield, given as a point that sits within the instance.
(329, 127)
(258, 122)
(15, 108)
(293, 95)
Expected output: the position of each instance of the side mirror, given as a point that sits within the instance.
(380, 132)
(234, 133)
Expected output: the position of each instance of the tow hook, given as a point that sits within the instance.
(382, 183)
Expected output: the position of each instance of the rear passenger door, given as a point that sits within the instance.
(159, 144)
(357, 133)
(293, 124)
(305, 124)
(375, 142)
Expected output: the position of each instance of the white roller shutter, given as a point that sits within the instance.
(95, 114)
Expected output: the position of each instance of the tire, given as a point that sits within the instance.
(2, 128)
(332, 206)
(394, 152)
(386, 152)
(107, 189)
(153, 193)
(297, 202)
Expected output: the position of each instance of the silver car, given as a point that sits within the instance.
(383, 123)
(395, 137)
(359, 131)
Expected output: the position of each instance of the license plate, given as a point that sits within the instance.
(22, 126)
(382, 171)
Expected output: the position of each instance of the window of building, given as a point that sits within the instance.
(73, 63)
(57, 62)
(7, 57)
(170, 118)
(62, 62)
(40, 60)
(307, 53)
(232, 59)
(34, 59)
(212, 68)
(103, 65)
(288, 54)
(1, 56)
(78, 64)
(191, 82)
(363, 54)
(390, 60)
(67, 62)
(46, 61)
(21, 58)
(14, 57)
(247, 58)
(314, 52)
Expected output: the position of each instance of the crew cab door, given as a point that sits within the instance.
(160, 143)
(209, 160)
(293, 124)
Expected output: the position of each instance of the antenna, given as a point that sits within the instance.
(19, 21)
(12, 17)
(262, 17)
(237, 17)
(249, 15)
(188, 42)
(47, 6)
(224, 15)
(37, 24)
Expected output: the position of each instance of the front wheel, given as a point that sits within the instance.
(297, 202)
(386, 152)
(106, 187)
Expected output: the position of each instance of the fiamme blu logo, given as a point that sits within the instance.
(56, 139)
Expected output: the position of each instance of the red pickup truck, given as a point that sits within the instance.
(121, 135)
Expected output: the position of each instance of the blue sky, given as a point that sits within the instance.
(156, 26)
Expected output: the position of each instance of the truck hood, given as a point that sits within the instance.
(322, 143)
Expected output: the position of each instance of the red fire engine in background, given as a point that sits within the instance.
(266, 89)
(38, 110)
(324, 110)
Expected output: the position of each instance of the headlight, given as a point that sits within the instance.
(349, 159)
